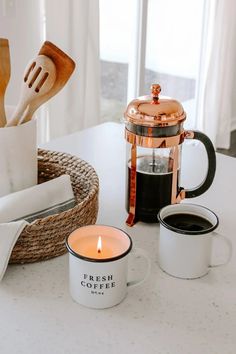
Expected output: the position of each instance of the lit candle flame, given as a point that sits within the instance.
(99, 244)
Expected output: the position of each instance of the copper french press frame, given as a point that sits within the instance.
(154, 142)
(148, 142)
(150, 114)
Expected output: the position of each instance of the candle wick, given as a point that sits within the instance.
(99, 244)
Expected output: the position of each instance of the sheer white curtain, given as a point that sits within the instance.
(218, 72)
(21, 24)
(74, 26)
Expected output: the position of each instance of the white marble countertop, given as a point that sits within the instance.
(163, 315)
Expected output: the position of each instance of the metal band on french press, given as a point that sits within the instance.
(150, 142)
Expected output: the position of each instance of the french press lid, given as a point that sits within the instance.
(153, 111)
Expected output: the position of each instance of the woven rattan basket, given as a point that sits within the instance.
(45, 238)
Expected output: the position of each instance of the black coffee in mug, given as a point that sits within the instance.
(188, 222)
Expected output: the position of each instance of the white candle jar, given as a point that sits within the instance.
(98, 278)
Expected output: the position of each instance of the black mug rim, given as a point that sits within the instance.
(187, 232)
(104, 260)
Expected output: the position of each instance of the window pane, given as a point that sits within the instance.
(173, 50)
(115, 35)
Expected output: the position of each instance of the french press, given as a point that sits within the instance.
(154, 133)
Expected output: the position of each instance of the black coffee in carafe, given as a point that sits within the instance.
(154, 133)
(154, 186)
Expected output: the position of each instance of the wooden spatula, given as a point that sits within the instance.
(39, 77)
(64, 68)
(5, 71)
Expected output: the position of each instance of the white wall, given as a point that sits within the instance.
(233, 122)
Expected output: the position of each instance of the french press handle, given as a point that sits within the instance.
(202, 188)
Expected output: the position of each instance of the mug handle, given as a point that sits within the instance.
(202, 188)
(139, 252)
(229, 246)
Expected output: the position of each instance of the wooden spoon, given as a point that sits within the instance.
(64, 68)
(39, 78)
(5, 71)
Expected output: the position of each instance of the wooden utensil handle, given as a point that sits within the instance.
(19, 111)
(27, 115)
(3, 120)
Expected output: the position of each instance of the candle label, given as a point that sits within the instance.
(98, 283)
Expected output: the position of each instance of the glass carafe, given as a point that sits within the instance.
(154, 179)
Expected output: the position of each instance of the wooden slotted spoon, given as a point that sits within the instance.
(39, 78)
(64, 69)
(5, 72)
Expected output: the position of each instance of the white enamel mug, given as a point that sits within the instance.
(188, 254)
(18, 156)
(99, 279)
